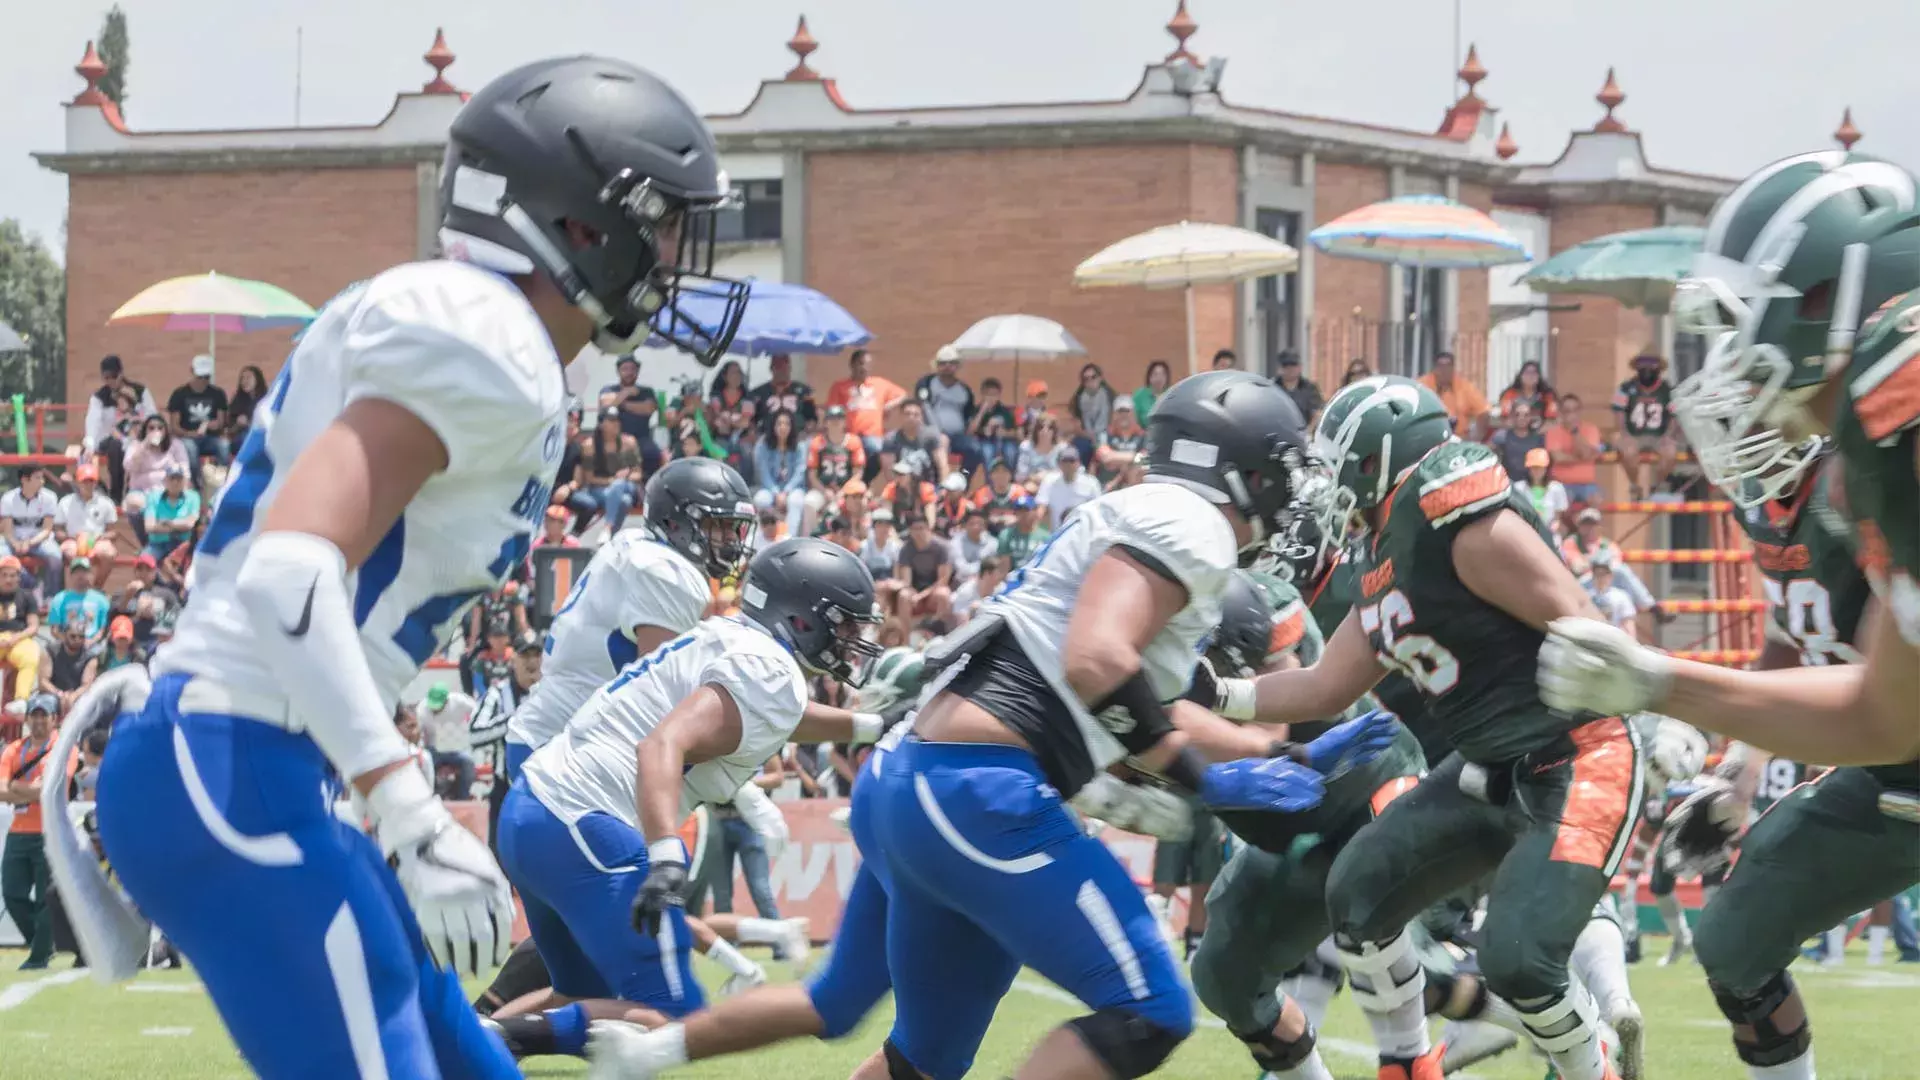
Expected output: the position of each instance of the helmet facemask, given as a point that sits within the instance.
(847, 655)
(720, 542)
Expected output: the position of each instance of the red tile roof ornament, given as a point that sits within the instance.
(439, 58)
(1846, 134)
(1506, 147)
(1182, 27)
(1463, 116)
(802, 45)
(1610, 96)
(93, 69)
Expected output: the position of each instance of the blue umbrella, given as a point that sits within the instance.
(780, 318)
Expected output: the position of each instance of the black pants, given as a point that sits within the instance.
(25, 881)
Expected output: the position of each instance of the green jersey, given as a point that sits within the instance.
(1472, 662)
(1804, 549)
(1877, 433)
(1777, 779)
(1293, 630)
(1329, 605)
(1018, 546)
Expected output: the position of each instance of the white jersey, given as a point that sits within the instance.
(589, 767)
(460, 348)
(633, 580)
(1165, 524)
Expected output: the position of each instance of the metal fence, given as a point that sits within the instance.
(1487, 358)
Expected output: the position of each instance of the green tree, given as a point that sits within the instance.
(33, 300)
(113, 53)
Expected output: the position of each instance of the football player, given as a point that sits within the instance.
(397, 472)
(1457, 582)
(589, 833)
(831, 1003)
(1067, 670)
(1794, 257)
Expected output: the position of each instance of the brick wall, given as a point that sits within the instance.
(1342, 287)
(921, 244)
(310, 232)
(1593, 346)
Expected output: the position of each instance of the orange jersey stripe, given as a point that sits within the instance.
(1892, 405)
(1481, 484)
(1390, 791)
(1600, 796)
(1288, 631)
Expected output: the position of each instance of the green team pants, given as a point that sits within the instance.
(1818, 856)
(1551, 829)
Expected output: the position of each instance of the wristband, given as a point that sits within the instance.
(670, 850)
(1236, 699)
(867, 728)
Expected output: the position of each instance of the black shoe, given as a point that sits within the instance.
(1633, 949)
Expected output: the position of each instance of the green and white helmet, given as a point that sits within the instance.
(1793, 259)
(1372, 433)
(896, 677)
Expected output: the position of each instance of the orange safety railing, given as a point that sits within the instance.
(1723, 657)
(58, 419)
(1658, 557)
(1745, 606)
(1693, 507)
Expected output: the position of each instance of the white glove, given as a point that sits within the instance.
(460, 897)
(1136, 808)
(1587, 665)
(764, 817)
(1677, 751)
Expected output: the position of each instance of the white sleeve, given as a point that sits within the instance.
(665, 592)
(97, 426)
(1183, 534)
(461, 350)
(768, 690)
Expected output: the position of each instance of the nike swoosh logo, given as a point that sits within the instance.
(299, 629)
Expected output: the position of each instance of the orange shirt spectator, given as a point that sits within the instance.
(1465, 402)
(1576, 445)
(24, 762)
(865, 397)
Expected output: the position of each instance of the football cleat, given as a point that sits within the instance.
(1631, 1027)
(617, 1050)
(1425, 1067)
(744, 980)
(796, 942)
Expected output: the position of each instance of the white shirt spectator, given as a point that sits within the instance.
(1614, 605)
(27, 514)
(966, 598)
(1060, 495)
(100, 417)
(90, 517)
(450, 729)
(965, 553)
(880, 558)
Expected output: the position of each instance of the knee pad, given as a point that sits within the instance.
(1777, 1039)
(1562, 1022)
(1275, 1055)
(1385, 976)
(898, 1067)
(1128, 1044)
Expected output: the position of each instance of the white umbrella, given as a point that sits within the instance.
(10, 339)
(1017, 337)
(1184, 255)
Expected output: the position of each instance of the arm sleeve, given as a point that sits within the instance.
(98, 426)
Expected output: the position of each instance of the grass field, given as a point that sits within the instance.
(61, 1024)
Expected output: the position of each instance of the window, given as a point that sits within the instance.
(1689, 352)
(756, 218)
(1421, 297)
(1276, 297)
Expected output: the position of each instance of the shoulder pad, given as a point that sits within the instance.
(1883, 377)
(1457, 479)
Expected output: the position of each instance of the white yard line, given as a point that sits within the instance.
(163, 988)
(1348, 1048)
(167, 1032)
(20, 993)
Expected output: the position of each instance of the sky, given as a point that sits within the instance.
(1715, 86)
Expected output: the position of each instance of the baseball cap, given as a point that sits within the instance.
(1023, 502)
(902, 467)
(80, 563)
(9, 562)
(43, 702)
(1649, 360)
(954, 482)
(946, 354)
(1068, 453)
(1123, 403)
(121, 629)
(1036, 387)
(529, 641)
(1539, 457)
(883, 514)
(203, 365)
(1589, 514)
(174, 469)
(437, 697)
(143, 562)
(855, 486)
(835, 412)
(557, 512)
(1289, 359)
(86, 472)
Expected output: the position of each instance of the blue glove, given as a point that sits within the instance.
(1279, 785)
(1352, 744)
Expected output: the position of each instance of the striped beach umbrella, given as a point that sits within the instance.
(1428, 231)
(213, 302)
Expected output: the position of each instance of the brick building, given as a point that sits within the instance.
(921, 221)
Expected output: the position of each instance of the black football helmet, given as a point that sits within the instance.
(1245, 635)
(1237, 439)
(703, 509)
(603, 177)
(816, 597)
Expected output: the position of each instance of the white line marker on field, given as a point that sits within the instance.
(20, 993)
(163, 988)
(1350, 1048)
(167, 1032)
